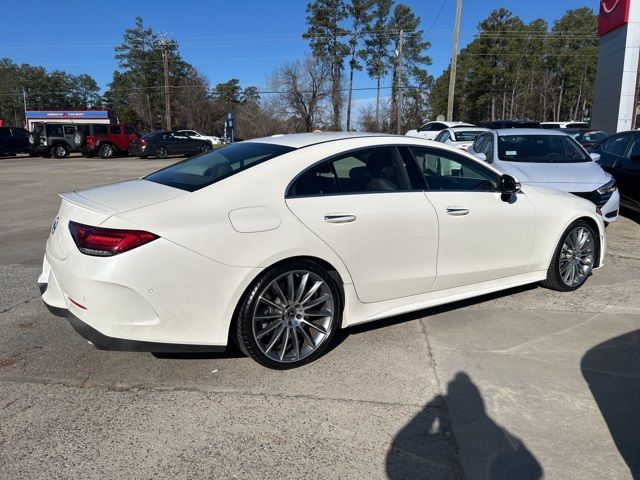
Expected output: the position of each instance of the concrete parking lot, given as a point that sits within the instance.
(524, 384)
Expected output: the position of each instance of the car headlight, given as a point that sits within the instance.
(610, 186)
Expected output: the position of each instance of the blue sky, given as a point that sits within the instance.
(224, 40)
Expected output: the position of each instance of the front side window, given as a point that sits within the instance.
(616, 145)
(55, 130)
(540, 149)
(115, 130)
(445, 170)
(69, 130)
(203, 170)
(129, 131)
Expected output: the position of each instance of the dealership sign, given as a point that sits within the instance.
(613, 14)
(67, 114)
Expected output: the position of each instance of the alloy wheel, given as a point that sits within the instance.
(293, 316)
(576, 256)
(60, 152)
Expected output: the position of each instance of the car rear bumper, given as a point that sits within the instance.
(156, 295)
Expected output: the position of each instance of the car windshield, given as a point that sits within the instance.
(468, 136)
(203, 170)
(540, 149)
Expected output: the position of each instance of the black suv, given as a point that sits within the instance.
(14, 140)
(53, 139)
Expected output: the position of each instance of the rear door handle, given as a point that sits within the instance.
(457, 211)
(339, 218)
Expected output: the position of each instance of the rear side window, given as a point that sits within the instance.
(69, 130)
(370, 170)
(100, 130)
(203, 170)
(115, 130)
(318, 180)
(55, 130)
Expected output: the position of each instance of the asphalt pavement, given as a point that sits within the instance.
(523, 384)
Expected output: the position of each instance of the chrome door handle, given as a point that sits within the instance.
(457, 211)
(339, 218)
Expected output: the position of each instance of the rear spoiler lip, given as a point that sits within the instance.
(77, 199)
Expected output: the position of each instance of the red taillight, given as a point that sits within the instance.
(106, 242)
(143, 142)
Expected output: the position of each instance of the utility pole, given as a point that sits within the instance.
(167, 94)
(24, 100)
(399, 83)
(454, 61)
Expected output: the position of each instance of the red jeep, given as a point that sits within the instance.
(104, 140)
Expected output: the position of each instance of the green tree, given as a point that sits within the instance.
(326, 37)
(360, 13)
(376, 54)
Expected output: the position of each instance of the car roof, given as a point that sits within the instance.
(300, 140)
(459, 128)
(528, 131)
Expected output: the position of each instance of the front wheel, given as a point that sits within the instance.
(573, 259)
(289, 315)
(206, 147)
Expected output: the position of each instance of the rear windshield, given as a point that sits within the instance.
(208, 168)
(468, 136)
(540, 149)
(151, 135)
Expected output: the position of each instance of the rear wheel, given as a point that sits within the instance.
(289, 315)
(161, 152)
(206, 147)
(573, 259)
(59, 151)
(106, 151)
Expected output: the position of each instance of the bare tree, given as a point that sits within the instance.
(303, 90)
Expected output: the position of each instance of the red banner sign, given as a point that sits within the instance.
(613, 14)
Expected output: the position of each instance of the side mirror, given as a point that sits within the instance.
(480, 156)
(595, 156)
(509, 185)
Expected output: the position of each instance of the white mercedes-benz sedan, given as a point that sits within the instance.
(276, 243)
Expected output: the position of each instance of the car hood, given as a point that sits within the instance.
(569, 177)
(129, 195)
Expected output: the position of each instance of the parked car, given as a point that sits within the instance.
(551, 125)
(165, 143)
(460, 136)
(430, 130)
(586, 138)
(620, 156)
(14, 140)
(53, 139)
(278, 242)
(553, 159)
(104, 140)
(500, 124)
(201, 136)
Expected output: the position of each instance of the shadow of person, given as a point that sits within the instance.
(612, 370)
(425, 447)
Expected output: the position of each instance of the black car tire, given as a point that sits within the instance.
(106, 151)
(248, 304)
(59, 151)
(161, 152)
(206, 147)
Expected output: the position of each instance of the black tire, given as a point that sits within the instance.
(161, 152)
(59, 151)
(206, 147)
(106, 151)
(554, 279)
(248, 305)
